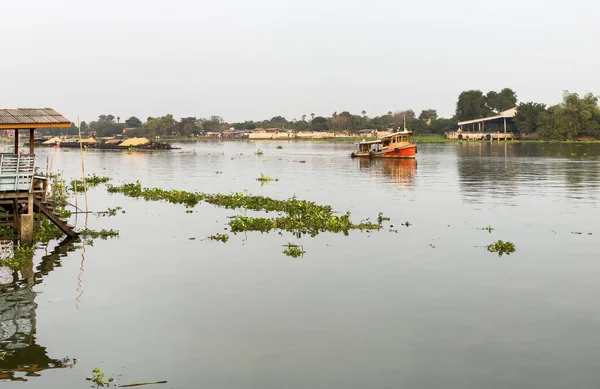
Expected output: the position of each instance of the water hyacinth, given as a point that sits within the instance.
(297, 216)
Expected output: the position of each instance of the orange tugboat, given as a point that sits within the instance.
(396, 145)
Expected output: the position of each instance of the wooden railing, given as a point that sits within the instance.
(16, 172)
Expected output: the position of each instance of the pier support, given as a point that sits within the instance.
(26, 229)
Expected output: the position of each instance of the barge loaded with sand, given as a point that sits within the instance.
(106, 144)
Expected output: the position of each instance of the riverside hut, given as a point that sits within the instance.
(18, 196)
(476, 129)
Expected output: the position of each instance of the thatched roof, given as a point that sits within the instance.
(32, 118)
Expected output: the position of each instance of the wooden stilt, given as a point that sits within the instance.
(31, 140)
(16, 141)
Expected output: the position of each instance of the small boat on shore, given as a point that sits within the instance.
(396, 145)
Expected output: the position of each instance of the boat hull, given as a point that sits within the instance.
(399, 152)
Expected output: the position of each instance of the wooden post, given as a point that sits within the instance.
(31, 138)
(16, 220)
(505, 125)
(16, 142)
(82, 169)
(26, 223)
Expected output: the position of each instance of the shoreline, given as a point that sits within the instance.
(427, 138)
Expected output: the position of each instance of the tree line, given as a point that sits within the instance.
(575, 117)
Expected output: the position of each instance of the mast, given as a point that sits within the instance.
(405, 122)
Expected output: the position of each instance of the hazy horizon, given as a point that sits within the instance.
(254, 60)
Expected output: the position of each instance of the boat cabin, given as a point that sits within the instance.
(367, 147)
(397, 139)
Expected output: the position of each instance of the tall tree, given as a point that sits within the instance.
(442, 125)
(160, 126)
(498, 102)
(133, 122)
(573, 118)
(527, 119)
(188, 126)
(471, 104)
(428, 114)
(320, 124)
(106, 126)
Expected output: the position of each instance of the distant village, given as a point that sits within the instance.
(277, 133)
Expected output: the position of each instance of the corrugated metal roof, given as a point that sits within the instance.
(32, 116)
(509, 113)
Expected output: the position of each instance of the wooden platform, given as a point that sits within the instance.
(19, 195)
(467, 135)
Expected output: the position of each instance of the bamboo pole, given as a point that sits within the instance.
(76, 207)
(62, 184)
(82, 165)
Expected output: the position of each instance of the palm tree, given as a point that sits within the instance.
(364, 113)
(303, 118)
(312, 116)
(390, 113)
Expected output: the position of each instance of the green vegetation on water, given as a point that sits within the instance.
(111, 212)
(21, 255)
(102, 234)
(501, 247)
(98, 379)
(293, 250)
(264, 178)
(296, 216)
(220, 237)
(90, 181)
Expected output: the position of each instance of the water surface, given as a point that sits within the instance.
(426, 307)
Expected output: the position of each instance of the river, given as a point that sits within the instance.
(422, 306)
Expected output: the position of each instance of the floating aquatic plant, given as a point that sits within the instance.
(381, 218)
(264, 178)
(46, 231)
(298, 216)
(501, 247)
(98, 378)
(21, 255)
(111, 211)
(102, 234)
(259, 152)
(280, 147)
(91, 181)
(488, 229)
(220, 237)
(293, 250)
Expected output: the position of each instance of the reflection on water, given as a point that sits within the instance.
(20, 355)
(511, 169)
(402, 171)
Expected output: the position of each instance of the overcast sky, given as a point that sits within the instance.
(253, 59)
